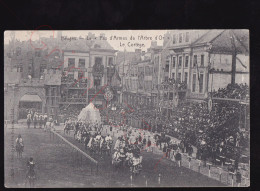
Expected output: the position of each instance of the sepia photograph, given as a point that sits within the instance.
(126, 108)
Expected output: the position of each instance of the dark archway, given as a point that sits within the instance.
(29, 102)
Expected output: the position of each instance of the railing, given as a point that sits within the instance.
(217, 172)
(77, 155)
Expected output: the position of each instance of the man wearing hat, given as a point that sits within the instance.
(29, 119)
(35, 119)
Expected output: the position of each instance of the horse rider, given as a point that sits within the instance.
(136, 159)
(108, 138)
(116, 147)
(19, 141)
(120, 154)
(29, 119)
(98, 137)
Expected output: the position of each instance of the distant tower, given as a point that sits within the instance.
(12, 45)
(12, 36)
(59, 35)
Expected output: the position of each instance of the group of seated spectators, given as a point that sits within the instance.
(178, 84)
(74, 97)
(69, 79)
(236, 91)
(71, 111)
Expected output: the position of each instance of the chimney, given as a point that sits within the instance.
(137, 50)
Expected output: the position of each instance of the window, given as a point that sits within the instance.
(97, 82)
(98, 60)
(20, 68)
(18, 51)
(174, 39)
(186, 61)
(194, 83)
(38, 53)
(110, 61)
(187, 37)
(201, 83)
(186, 77)
(180, 61)
(81, 63)
(148, 71)
(171, 96)
(42, 68)
(29, 70)
(52, 91)
(179, 77)
(202, 60)
(173, 76)
(166, 78)
(195, 60)
(80, 74)
(149, 85)
(173, 62)
(180, 38)
(167, 66)
(71, 62)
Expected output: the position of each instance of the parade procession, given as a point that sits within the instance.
(88, 111)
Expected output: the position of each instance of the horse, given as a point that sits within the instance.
(118, 161)
(106, 147)
(67, 129)
(19, 149)
(136, 165)
(95, 146)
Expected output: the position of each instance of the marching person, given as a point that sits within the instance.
(41, 120)
(190, 150)
(30, 174)
(149, 143)
(38, 119)
(178, 158)
(238, 178)
(45, 119)
(144, 141)
(29, 119)
(35, 118)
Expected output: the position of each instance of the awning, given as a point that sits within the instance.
(31, 98)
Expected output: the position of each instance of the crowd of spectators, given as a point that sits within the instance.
(71, 111)
(81, 82)
(182, 86)
(236, 91)
(73, 97)
(219, 132)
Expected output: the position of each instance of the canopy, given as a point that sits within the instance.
(90, 114)
(31, 98)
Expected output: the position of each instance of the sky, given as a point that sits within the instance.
(142, 38)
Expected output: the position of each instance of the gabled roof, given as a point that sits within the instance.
(208, 37)
(221, 40)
